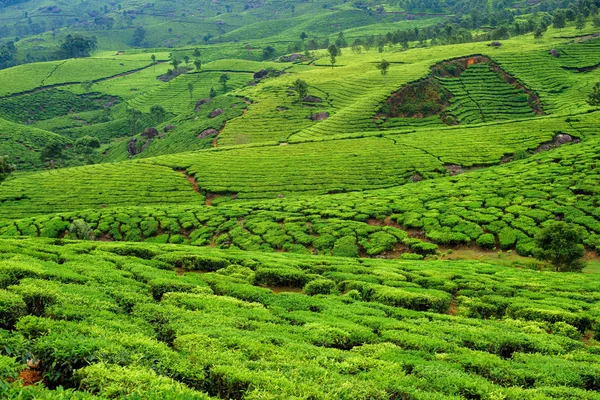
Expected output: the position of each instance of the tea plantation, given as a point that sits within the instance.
(146, 320)
(264, 199)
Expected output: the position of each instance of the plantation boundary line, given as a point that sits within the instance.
(106, 78)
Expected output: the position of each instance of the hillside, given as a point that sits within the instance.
(257, 199)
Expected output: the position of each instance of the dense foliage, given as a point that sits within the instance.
(114, 320)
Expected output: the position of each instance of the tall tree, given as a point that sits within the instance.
(383, 66)
(5, 168)
(198, 65)
(559, 20)
(138, 36)
(333, 53)
(560, 243)
(594, 99)
(301, 88)
(223, 81)
(190, 87)
(74, 46)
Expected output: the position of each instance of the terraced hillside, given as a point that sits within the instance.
(203, 323)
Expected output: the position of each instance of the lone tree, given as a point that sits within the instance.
(134, 118)
(5, 168)
(51, 152)
(198, 65)
(223, 81)
(383, 66)
(138, 36)
(560, 243)
(333, 53)
(191, 89)
(186, 59)
(158, 113)
(594, 99)
(153, 58)
(212, 93)
(196, 52)
(74, 46)
(301, 87)
(175, 62)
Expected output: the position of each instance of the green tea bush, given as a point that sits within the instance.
(487, 241)
(319, 286)
(345, 247)
(12, 307)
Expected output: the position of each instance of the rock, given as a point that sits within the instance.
(562, 139)
(150, 132)
(454, 169)
(280, 108)
(554, 53)
(261, 74)
(280, 196)
(416, 177)
(312, 99)
(495, 44)
(215, 113)
(201, 102)
(168, 128)
(132, 146)
(207, 133)
(319, 116)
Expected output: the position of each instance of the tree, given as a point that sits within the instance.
(341, 40)
(268, 52)
(51, 152)
(74, 46)
(190, 87)
(138, 36)
(303, 36)
(153, 58)
(539, 32)
(5, 168)
(596, 21)
(175, 62)
(158, 113)
(87, 85)
(301, 87)
(223, 81)
(594, 99)
(559, 20)
(580, 22)
(186, 59)
(212, 93)
(560, 243)
(383, 66)
(198, 65)
(333, 53)
(196, 52)
(133, 120)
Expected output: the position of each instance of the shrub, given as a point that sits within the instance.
(116, 382)
(191, 262)
(80, 230)
(9, 370)
(345, 247)
(319, 286)
(12, 307)
(486, 240)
